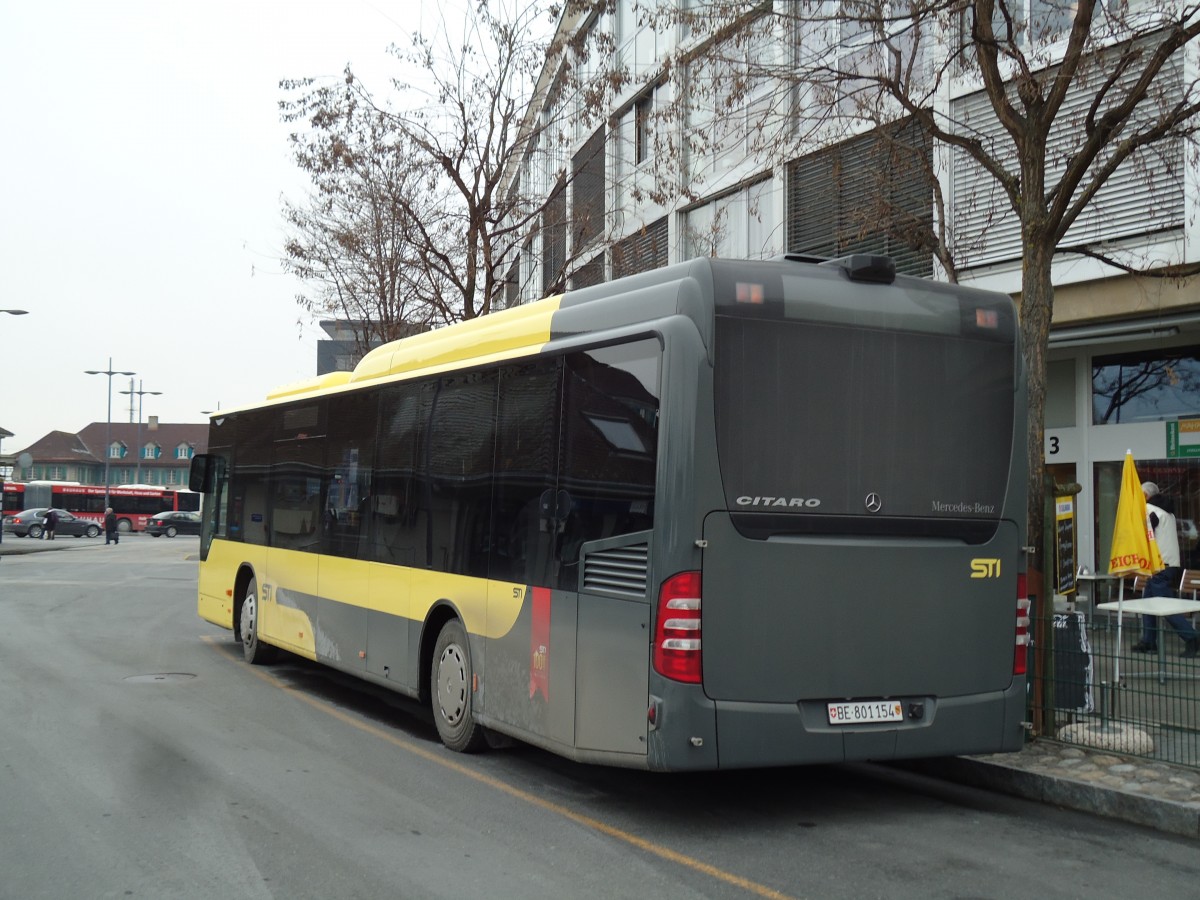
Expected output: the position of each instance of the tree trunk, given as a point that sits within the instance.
(1037, 302)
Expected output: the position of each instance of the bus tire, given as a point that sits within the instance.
(450, 697)
(255, 651)
(124, 526)
(93, 531)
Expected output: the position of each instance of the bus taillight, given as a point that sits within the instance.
(1021, 654)
(677, 634)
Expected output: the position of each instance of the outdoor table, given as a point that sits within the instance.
(1160, 607)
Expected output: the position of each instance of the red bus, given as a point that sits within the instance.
(14, 498)
(133, 505)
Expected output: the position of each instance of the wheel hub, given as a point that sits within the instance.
(452, 684)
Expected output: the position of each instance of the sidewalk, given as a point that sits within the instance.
(1158, 795)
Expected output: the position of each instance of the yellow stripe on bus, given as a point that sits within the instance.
(488, 608)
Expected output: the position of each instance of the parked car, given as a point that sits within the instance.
(32, 523)
(173, 523)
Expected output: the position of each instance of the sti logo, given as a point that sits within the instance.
(985, 568)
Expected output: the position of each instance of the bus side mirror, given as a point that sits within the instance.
(204, 468)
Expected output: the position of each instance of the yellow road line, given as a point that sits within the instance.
(760, 890)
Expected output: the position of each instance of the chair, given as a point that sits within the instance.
(1135, 586)
(1190, 583)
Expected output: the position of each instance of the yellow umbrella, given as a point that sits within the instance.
(1134, 549)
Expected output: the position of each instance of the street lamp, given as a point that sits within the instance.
(3, 433)
(108, 422)
(140, 393)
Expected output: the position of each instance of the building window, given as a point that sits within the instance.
(589, 274)
(183, 451)
(587, 192)
(641, 251)
(151, 451)
(641, 129)
(512, 284)
(738, 225)
(117, 450)
(554, 241)
(1150, 386)
(1179, 482)
(870, 194)
(1145, 195)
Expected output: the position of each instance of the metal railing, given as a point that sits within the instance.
(1094, 690)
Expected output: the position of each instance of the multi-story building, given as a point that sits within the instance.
(666, 167)
(158, 454)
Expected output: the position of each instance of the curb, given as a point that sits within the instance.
(1162, 815)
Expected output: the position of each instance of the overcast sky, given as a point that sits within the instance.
(141, 175)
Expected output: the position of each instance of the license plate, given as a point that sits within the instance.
(863, 712)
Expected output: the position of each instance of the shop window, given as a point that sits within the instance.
(1179, 483)
(1148, 386)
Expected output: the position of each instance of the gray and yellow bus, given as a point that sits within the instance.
(722, 514)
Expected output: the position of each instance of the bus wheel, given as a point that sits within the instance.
(124, 526)
(451, 694)
(93, 531)
(255, 651)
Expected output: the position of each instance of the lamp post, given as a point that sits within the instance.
(108, 422)
(140, 393)
(3, 433)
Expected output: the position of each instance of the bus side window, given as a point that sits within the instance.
(349, 458)
(398, 521)
(526, 472)
(456, 462)
(248, 480)
(609, 446)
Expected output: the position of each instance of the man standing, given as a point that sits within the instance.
(112, 533)
(50, 524)
(1165, 582)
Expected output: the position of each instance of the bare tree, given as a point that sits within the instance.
(414, 208)
(1067, 95)
(353, 240)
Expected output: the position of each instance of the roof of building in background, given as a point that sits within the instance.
(88, 444)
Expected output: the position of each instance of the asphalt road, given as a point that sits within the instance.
(140, 757)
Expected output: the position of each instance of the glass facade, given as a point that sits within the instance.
(1152, 385)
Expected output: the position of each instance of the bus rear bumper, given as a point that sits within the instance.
(783, 734)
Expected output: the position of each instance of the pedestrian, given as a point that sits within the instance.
(49, 525)
(112, 533)
(1165, 582)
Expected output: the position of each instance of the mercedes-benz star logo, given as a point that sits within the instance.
(873, 502)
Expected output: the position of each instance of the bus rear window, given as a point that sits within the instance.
(844, 426)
